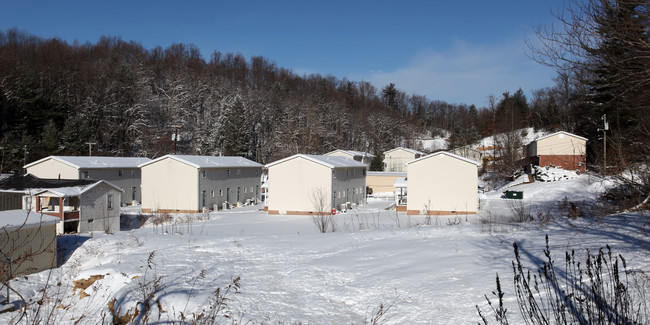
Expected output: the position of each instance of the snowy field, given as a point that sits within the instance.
(289, 273)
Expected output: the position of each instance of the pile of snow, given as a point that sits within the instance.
(553, 174)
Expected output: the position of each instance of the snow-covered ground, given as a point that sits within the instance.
(432, 145)
(290, 273)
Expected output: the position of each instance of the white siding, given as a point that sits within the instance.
(442, 183)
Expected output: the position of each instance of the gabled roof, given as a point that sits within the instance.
(384, 173)
(400, 182)
(353, 153)
(327, 161)
(561, 132)
(14, 219)
(75, 190)
(94, 162)
(28, 181)
(415, 152)
(208, 161)
(445, 153)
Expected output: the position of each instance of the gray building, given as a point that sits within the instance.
(80, 205)
(121, 171)
(190, 184)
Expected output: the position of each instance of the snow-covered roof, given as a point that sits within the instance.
(95, 162)
(400, 182)
(14, 219)
(353, 153)
(68, 191)
(446, 154)
(375, 173)
(562, 132)
(208, 161)
(5, 176)
(328, 161)
(413, 151)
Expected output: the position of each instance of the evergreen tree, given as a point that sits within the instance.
(389, 94)
(376, 164)
(233, 128)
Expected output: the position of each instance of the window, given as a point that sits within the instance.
(339, 195)
(364, 172)
(245, 189)
(203, 198)
(251, 189)
(238, 172)
(203, 173)
(86, 174)
(212, 193)
(220, 192)
(227, 172)
(257, 172)
(109, 201)
(132, 172)
(133, 194)
(119, 173)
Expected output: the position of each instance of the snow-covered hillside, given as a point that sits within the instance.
(442, 142)
(288, 272)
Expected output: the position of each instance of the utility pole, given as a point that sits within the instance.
(2, 160)
(25, 155)
(90, 148)
(605, 128)
(175, 136)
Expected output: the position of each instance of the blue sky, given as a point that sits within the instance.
(456, 51)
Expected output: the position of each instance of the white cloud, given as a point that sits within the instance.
(467, 73)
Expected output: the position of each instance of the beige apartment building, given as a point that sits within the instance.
(191, 184)
(442, 184)
(395, 159)
(307, 184)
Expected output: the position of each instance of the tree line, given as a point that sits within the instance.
(126, 100)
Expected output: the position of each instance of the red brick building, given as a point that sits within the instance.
(560, 149)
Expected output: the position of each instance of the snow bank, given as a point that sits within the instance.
(553, 174)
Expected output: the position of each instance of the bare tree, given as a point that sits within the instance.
(322, 216)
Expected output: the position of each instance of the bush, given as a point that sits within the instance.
(597, 292)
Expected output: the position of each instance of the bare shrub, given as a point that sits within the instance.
(146, 291)
(379, 315)
(519, 211)
(456, 220)
(363, 221)
(322, 216)
(161, 220)
(596, 292)
(217, 307)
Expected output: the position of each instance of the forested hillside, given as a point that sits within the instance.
(56, 97)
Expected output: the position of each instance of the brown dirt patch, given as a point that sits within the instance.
(83, 284)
